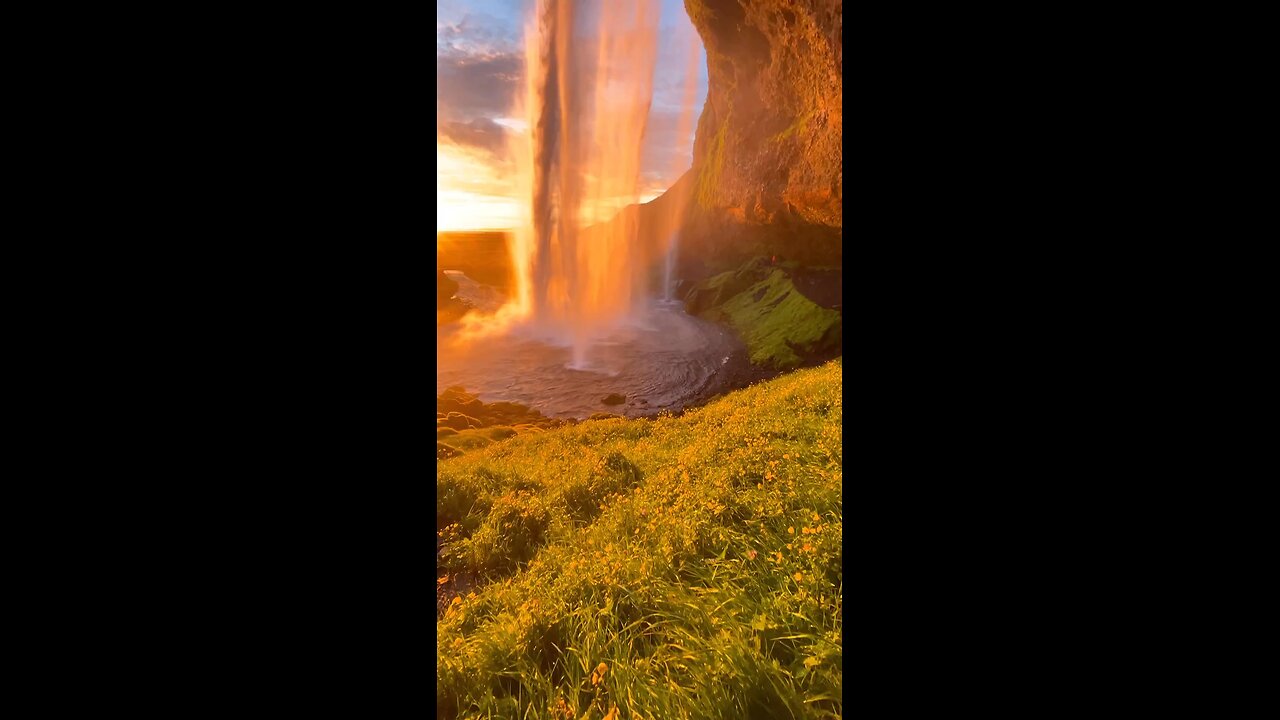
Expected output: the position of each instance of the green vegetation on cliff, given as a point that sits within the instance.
(683, 567)
(709, 174)
(778, 323)
(800, 126)
(775, 321)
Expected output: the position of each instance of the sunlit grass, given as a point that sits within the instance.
(675, 568)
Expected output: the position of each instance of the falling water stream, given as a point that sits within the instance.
(583, 317)
(668, 276)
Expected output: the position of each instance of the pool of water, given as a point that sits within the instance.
(661, 359)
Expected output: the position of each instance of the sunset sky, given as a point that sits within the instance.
(479, 58)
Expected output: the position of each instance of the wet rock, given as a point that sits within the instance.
(458, 421)
(613, 399)
(455, 399)
(445, 287)
(501, 433)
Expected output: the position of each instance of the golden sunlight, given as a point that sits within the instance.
(473, 190)
(476, 191)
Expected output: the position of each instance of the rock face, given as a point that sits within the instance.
(445, 287)
(768, 171)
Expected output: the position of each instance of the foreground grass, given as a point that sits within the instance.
(675, 568)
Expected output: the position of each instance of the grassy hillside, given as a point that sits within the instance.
(682, 567)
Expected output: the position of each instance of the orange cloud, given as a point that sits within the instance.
(475, 190)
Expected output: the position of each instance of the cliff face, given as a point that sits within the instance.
(768, 173)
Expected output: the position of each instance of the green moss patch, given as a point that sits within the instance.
(775, 321)
(709, 176)
(778, 324)
(799, 127)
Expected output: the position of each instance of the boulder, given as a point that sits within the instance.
(613, 399)
(445, 288)
(455, 399)
(500, 433)
(458, 421)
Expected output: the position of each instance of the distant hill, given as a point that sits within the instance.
(483, 256)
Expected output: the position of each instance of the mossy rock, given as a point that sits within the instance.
(444, 432)
(470, 440)
(719, 289)
(500, 432)
(458, 421)
(780, 325)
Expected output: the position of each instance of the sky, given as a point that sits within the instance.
(479, 59)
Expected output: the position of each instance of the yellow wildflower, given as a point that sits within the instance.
(791, 531)
(799, 576)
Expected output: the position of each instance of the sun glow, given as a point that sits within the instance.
(474, 191)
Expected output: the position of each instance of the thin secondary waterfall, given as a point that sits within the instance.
(668, 275)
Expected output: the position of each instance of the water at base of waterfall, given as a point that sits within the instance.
(660, 359)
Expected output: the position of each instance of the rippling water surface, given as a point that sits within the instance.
(663, 359)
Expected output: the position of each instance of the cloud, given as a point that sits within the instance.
(472, 189)
(480, 133)
(479, 68)
(479, 59)
(472, 31)
(475, 85)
